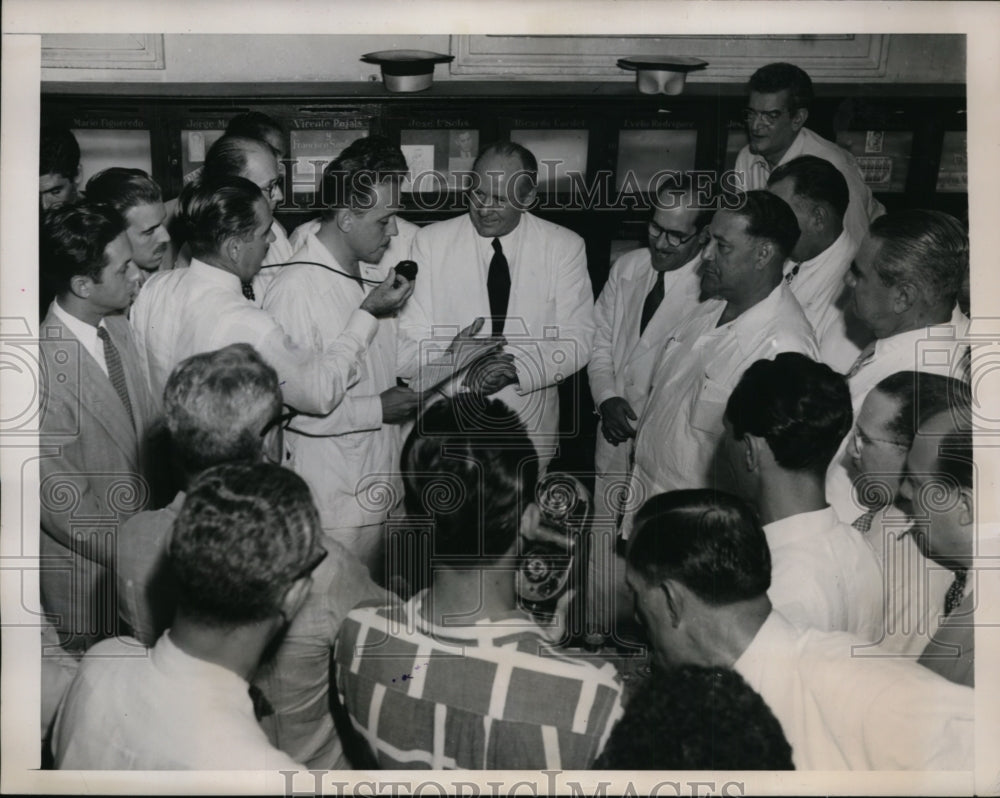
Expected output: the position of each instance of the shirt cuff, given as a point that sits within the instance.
(363, 324)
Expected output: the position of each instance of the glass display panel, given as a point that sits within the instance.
(101, 149)
(735, 141)
(312, 150)
(560, 153)
(436, 156)
(883, 156)
(194, 145)
(953, 173)
(643, 153)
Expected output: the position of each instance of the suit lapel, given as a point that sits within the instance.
(98, 398)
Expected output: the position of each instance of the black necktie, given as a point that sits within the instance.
(248, 292)
(116, 373)
(653, 300)
(791, 275)
(498, 287)
(863, 523)
(955, 593)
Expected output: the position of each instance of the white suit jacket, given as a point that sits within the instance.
(550, 315)
(622, 361)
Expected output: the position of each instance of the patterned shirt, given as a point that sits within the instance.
(489, 696)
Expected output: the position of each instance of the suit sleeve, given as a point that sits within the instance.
(564, 344)
(601, 369)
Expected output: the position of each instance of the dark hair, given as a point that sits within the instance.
(800, 407)
(72, 241)
(511, 149)
(227, 157)
(241, 539)
(255, 125)
(349, 179)
(214, 210)
(217, 403)
(59, 152)
(780, 76)
(470, 465)
(817, 180)
(123, 188)
(927, 248)
(696, 718)
(920, 395)
(955, 456)
(769, 216)
(709, 541)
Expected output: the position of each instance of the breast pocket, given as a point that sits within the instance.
(708, 405)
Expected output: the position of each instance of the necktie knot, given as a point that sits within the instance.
(248, 291)
(497, 247)
(261, 706)
(791, 275)
(956, 592)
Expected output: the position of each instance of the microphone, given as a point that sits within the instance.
(407, 269)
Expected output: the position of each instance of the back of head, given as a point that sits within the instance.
(242, 538)
(72, 240)
(696, 718)
(123, 188)
(769, 217)
(216, 405)
(256, 125)
(709, 541)
(928, 249)
(59, 152)
(210, 211)
(817, 180)
(470, 465)
(227, 157)
(780, 76)
(349, 178)
(800, 407)
(919, 395)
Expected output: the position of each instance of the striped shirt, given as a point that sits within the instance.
(489, 696)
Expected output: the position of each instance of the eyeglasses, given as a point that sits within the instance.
(312, 564)
(282, 420)
(272, 188)
(862, 439)
(674, 238)
(751, 115)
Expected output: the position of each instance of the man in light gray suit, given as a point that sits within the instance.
(96, 413)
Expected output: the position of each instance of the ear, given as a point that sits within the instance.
(754, 449)
(531, 519)
(295, 597)
(764, 253)
(80, 285)
(818, 217)
(344, 218)
(799, 119)
(904, 297)
(966, 507)
(674, 595)
(233, 247)
(529, 199)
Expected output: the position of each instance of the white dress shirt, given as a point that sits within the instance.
(840, 712)
(550, 315)
(701, 363)
(862, 208)
(184, 312)
(137, 708)
(936, 349)
(818, 284)
(338, 450)
(86, 333)
(824, 575)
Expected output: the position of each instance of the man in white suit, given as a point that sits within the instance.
(96, 413)
(648, 291)
(527, 275)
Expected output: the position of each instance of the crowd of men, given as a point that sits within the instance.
(238, 424)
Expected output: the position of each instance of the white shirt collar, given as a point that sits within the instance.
(800, 525)
(206, 271)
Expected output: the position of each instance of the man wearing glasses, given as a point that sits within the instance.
(776, 113)
(225, 407)
(648, 291)
(236, 156)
